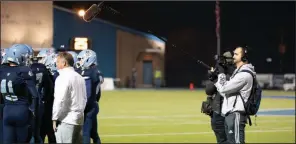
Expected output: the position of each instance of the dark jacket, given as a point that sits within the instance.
(217, 98)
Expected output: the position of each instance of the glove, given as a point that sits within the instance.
(229, 69)
(212, 75)
(206, 107)
(220, 69)
(32, 141)
(32, 110)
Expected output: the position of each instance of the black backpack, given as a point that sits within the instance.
(254, 100)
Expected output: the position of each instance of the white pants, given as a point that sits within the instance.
(67, 133)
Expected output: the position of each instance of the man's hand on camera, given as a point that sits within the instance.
(220, 68)
(212, 75)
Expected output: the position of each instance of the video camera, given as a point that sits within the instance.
(225, 59)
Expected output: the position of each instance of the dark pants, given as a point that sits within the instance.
(1, 130)
(217, 123)
(35, 125)
(94, 131)
(157, 82)
(1, 123)
(90, 115)
(235, 127)
(16, 119)
(46, 128)
(133, 83)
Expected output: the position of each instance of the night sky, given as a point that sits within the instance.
(191, 26)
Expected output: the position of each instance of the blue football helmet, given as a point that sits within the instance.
(31, 51)
(31, 54)
(50, 62)
(19, 54)
(86, 58)
(43, 54)
(4, 55)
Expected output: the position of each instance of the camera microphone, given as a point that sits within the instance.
(92, 12)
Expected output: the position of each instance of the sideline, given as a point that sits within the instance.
(190, 133)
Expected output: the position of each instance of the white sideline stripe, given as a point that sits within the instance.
(184, 116)
(194, 111)
(150, 117)
(276, 109)
(172, 116)
(187, 123)
(265, 115)
(189, 133)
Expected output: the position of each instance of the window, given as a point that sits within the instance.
(81, 43)
(289, 80)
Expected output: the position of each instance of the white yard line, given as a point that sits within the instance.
(150, 117)
(263, 115)
(185, 123)
(276, 109)
(171, 116)
(193, 111)
(189, 133)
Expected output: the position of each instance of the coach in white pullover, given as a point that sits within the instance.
(69, 101)
(233, 109)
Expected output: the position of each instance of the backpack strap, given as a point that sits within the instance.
(248, 71)
(254, 77)
(249, 118)
(238, 72)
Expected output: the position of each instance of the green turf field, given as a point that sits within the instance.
(174, 116)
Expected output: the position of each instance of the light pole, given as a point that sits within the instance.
(217, 12)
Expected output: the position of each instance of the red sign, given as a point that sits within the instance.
(147, 57)
(282, 48)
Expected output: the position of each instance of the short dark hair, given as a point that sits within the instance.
(68, 58)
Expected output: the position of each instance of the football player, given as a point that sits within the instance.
(87, 62)
(19, 94)
(3, 56)
(45, 87)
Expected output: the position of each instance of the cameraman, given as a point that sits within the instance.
(235, 92)
(217, 120)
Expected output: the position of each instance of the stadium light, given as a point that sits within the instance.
(81, 12)
(269, 60)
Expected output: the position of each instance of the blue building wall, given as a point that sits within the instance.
(102, 33)
(68, 25)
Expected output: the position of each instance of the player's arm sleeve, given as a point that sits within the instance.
(1, 101)
(35, 98)
(232, 86)
(98, 90)
(48, 85)
(101, 77)
(60, 93)
(31, 85)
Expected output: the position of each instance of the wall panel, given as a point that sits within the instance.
(29, 22)
(68, 25)
(129, 46)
